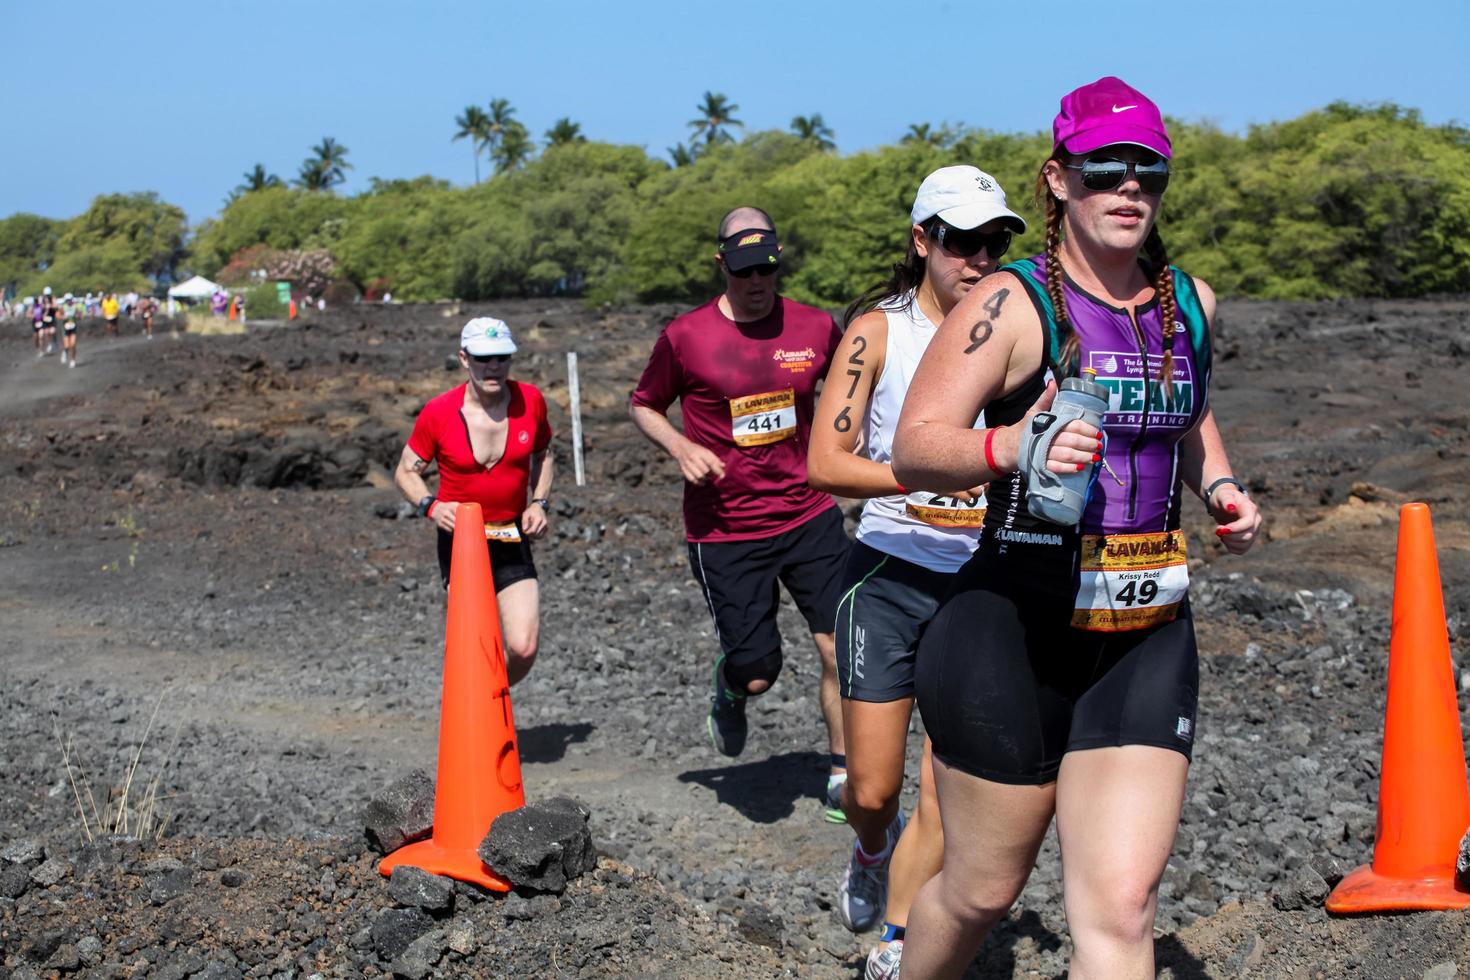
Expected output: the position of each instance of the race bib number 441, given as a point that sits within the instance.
(1130, 581)
(758, 420)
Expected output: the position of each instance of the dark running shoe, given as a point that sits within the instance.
(726, 723)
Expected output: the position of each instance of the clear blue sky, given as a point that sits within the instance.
(183, 97)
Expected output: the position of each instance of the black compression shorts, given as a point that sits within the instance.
(509, 563)
(738, 579)
(1006, 686)
(885, 605)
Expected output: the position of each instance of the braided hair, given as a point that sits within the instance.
(1163, 283)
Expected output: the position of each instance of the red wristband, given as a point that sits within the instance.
(901, 488)
(989, 454)
(429, 512)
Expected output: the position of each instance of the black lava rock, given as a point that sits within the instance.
(416, 888)
(542, 845)
(404, 813)
(395, 929)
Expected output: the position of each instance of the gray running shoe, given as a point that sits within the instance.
(864, 889)
(726, 722)
(834, 812)
(883, 963)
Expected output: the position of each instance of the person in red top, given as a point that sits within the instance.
(745, 368)
(489, 438)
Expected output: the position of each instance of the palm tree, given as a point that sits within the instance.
(714, 115)
(514, 147)
(924, 133)
(324, 171)
(815, 129)
(683, 156)
(564, 131)
(256, 180)
(502, 115)
(474, 125)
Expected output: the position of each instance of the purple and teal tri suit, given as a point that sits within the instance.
(1016, 669)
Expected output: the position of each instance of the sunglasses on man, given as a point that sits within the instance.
(966, 243)
(490, 358)
(1105, 173)
(770, 269)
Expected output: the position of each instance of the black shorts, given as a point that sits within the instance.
(886, 603)
(1006, 686)
(739, 583)
(509, 563)
(69, 327)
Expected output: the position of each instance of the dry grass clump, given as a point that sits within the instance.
(131, 807)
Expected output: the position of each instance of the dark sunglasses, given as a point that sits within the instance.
(1105, 173)
(490, 358)
(770, 269)
(966, 243)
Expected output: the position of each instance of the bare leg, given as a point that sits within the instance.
(875, 750)
(992, 833)
(520, 625)
(920, 851)
(831, 696)
(1117, 813)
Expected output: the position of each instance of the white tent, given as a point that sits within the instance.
(195, 288)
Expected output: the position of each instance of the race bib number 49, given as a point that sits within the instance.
(943, 510)
(758, 420)
(1130, 581)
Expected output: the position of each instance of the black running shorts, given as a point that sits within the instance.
(739, 579)
(1006, 686)
(885, 605)
(509, 563)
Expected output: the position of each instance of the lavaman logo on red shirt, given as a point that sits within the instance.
(795, 360)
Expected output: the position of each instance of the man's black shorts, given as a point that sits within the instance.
(509, 563)
(739, 583)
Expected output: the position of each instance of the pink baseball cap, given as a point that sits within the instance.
(1106, 112)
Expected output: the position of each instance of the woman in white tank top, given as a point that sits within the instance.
(909, 544)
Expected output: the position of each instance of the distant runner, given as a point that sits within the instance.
(147, 306)
(110, 309)
(745, 367)
(38, 322)
(489, 438)
(69, 332)
(909, 545)
(50, 313)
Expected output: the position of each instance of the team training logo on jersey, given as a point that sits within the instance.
(795, 360)
(1131, 398)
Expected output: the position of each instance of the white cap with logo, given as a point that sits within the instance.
(486, 335)
(964, 197)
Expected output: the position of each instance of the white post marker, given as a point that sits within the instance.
(574, 396)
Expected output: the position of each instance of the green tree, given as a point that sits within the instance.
(257, 179)
(681, 155)
(326, 167)
(474, 125)
(281, 217)
(513, 148)
(27, 246)
(502, 116)
(564, 131)
(925, 133)
(815, 129)
(716, 115)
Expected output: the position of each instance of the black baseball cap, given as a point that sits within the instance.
(750, 247)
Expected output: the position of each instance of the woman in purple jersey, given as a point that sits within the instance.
(1059, 678)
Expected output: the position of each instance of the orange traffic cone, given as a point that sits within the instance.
(1423, 801)
(479, 767)
(291, 310)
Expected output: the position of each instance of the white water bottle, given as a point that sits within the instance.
(1061, 498)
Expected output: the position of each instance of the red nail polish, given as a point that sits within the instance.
(1222, 531)
(1081, 466)
(1231, 508)
(1095, 457)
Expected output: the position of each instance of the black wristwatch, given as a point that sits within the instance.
(545, 502)
(423, 508)
(1210, 490)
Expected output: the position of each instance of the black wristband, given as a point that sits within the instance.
(545, 502)
(1210, 490)
(424, 505)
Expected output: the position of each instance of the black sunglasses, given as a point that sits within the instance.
(1106, 173)
(966, 243)
(490, 358)
(770, 269)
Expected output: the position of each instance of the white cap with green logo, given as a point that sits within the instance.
(486, 335)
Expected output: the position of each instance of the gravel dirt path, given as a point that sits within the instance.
(204, 527)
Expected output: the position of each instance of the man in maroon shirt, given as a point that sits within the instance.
(745, 367)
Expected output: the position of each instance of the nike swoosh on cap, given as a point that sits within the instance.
(1124, 108)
